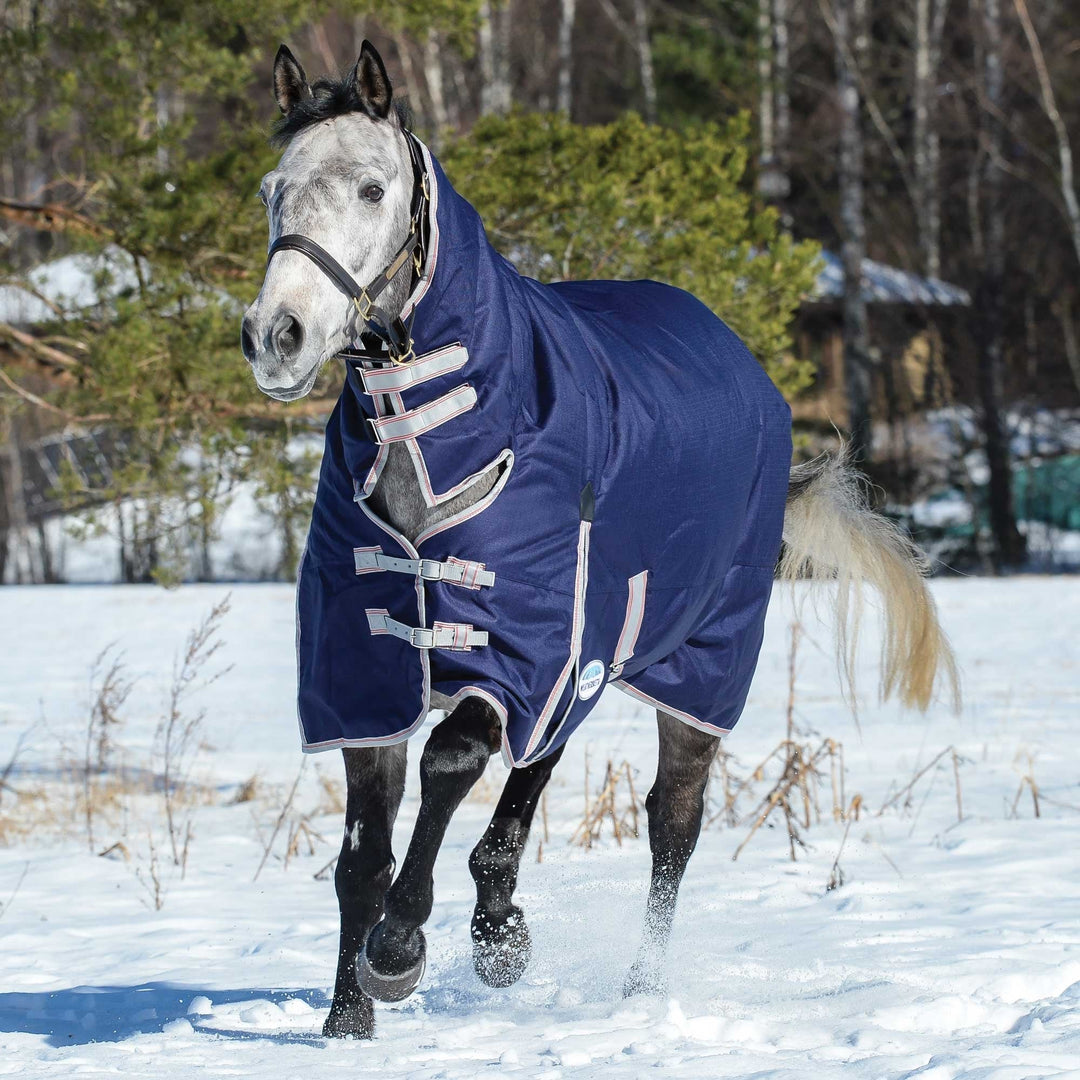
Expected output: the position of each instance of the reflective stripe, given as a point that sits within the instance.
(467, 574)
(577, 630)
(429, 366)
(458, 637)
(408, 425)
(686, 718)
(635, 612)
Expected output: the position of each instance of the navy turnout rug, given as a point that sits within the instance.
(631, 536)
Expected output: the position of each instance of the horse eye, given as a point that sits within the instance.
(372, 192)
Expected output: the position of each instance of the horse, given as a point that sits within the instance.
(569, 461)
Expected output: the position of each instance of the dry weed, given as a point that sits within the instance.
(616, 802)
(179, 735)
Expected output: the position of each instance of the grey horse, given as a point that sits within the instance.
(346, 181)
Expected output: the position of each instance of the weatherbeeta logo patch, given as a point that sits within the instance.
(592, 678)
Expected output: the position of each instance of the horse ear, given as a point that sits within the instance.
(290, 82)
(371, 82)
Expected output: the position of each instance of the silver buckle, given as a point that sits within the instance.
(418, 640)
(431, 570)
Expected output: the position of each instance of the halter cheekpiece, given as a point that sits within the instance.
(393, 332)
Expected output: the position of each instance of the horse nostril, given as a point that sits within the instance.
(287, 336)
(247, 341)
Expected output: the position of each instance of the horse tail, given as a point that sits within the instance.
(831, 533)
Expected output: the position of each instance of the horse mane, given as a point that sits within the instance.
(329, 98)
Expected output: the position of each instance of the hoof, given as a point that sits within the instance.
(644, 981)
(355, 1021)
(401, 974)
(501, 951)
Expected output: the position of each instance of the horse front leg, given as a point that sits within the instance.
(365, 867)
(454, 758)
(501, 942)
(675, 805)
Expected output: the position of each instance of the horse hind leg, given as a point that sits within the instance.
(456, 754)
(675, 806)
(376, 781)
(502, 945)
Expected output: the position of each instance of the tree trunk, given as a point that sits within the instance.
(774, 106)
(494, 34)
(851, 48)
(645, 61)
(782, 83)
(929, 30)
(486, 50)
(433, 78)
(564, 99)
(766, 116)
(27, 569)
(1008, 549)
(1063, 310)
(408, 69)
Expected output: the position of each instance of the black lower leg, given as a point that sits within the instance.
(376, 780)
(501, 942)
(454, 758)
(675, 806)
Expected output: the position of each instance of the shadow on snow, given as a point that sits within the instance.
(88, 1014)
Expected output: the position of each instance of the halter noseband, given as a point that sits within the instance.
(393, 332)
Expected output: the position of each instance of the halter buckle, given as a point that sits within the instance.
(363, 309)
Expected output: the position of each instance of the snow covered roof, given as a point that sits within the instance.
(886, 285)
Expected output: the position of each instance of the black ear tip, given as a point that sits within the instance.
(369, 52)
(283, 53)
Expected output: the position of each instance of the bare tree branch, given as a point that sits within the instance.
(50, 217)
(1049, 104)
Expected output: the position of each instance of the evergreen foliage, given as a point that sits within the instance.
(633, 200)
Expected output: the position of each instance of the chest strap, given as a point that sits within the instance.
(458, 637)
(393, 380)
(407, 425)
(467, 574)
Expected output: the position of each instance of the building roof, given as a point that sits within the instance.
(886, 285)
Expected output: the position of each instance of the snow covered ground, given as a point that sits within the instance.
(951, 950)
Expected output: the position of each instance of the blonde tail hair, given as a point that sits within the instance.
(832, 534)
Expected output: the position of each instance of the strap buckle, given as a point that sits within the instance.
(420, 637)
(363, 304)
(407, 357)
(431, 570)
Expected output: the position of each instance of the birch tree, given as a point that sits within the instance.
(929, 30)
(851, 50)
(645, 60)
(564, 100)
(1008, 547)
(636, 33)
(433, 80)
(493, 36)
